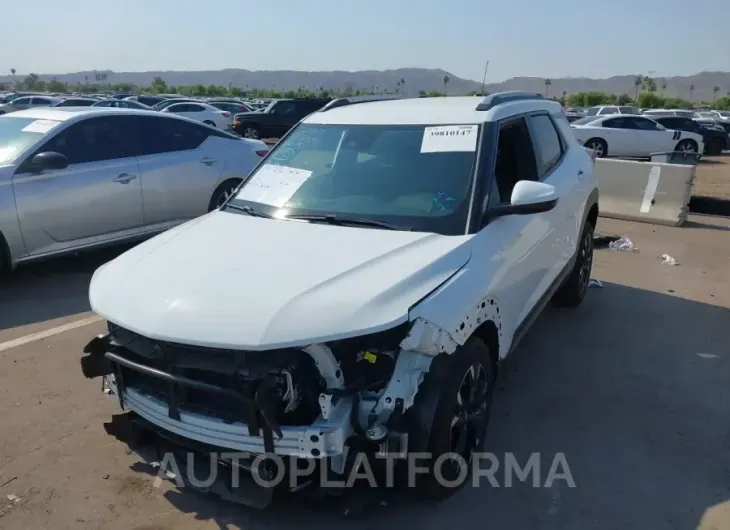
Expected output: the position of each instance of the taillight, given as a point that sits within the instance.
(262, 152)
(226, 114)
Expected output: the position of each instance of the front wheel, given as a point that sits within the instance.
(574, 289)
(223, 193)
(715, 147)
(687, 146)
(252, 132)
(448, 420)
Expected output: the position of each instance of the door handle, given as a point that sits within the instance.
(208, 161)
(124, 178)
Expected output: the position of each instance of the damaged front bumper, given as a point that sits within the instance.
(253, 433)
(369, 421)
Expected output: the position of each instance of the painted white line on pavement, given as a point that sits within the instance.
(40, 335)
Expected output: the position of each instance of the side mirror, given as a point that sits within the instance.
(528, 197)
(49, 160)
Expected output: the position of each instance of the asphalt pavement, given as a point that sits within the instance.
(632, 388)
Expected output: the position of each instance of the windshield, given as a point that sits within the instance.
(16, 134)
(414, 176)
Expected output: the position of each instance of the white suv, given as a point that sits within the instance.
(361, 287)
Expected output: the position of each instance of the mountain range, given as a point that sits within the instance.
(414, 80)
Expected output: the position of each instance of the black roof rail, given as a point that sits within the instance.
(498, 98)
(352, 100)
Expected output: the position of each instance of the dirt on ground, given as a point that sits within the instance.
(712, 178)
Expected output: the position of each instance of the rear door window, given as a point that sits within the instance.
(168, 135)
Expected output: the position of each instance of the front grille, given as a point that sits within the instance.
(225, 384)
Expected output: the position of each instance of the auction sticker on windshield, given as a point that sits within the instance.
(273, 185)
(449, 138)
(40, 126)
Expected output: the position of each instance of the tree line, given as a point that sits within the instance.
(647, 93)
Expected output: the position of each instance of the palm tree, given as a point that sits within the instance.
(691, 91)
(446, 82)
(402, 84)
(547, 86)
(12, 71)
(638, 80)
(715, 90)
(664, 86)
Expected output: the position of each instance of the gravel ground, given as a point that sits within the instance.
(712, 178)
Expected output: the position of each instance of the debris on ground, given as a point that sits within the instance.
(668, 260)
(13, 498)
(8, 481)
(603, 240)
(624, 244)
(595, 283)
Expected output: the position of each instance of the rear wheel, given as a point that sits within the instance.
(598, 146)
(449, 419)
(223, 193)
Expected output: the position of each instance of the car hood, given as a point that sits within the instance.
(229, 280)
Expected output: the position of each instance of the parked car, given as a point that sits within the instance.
(632, 136)
(233, 108)
(715, 140)
(27, 102)
(75, 102)
(434, 232)
(202, 112)
(602, 110)
(277, 118)
(145, 99)
(167, 102)
(121, 104)
(72, 179)
(684, 113)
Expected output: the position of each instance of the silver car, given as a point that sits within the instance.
(28, 102)
(77, 178)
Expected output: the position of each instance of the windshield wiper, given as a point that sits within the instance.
(343, 221)
(250, 211)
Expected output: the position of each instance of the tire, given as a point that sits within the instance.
(430, 421)
(715, 147)
(598, 145)
(573, 291)
(252, 131)
(4, 259)
(222, 193)
(687, 146)
(208, 122)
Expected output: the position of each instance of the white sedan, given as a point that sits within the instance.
(633, 136)
(203, 112)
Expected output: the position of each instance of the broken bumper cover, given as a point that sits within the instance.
(323, 438)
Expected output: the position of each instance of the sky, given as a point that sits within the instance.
(560, 38)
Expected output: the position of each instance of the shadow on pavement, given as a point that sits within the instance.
(631, 388)
(50, 289)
